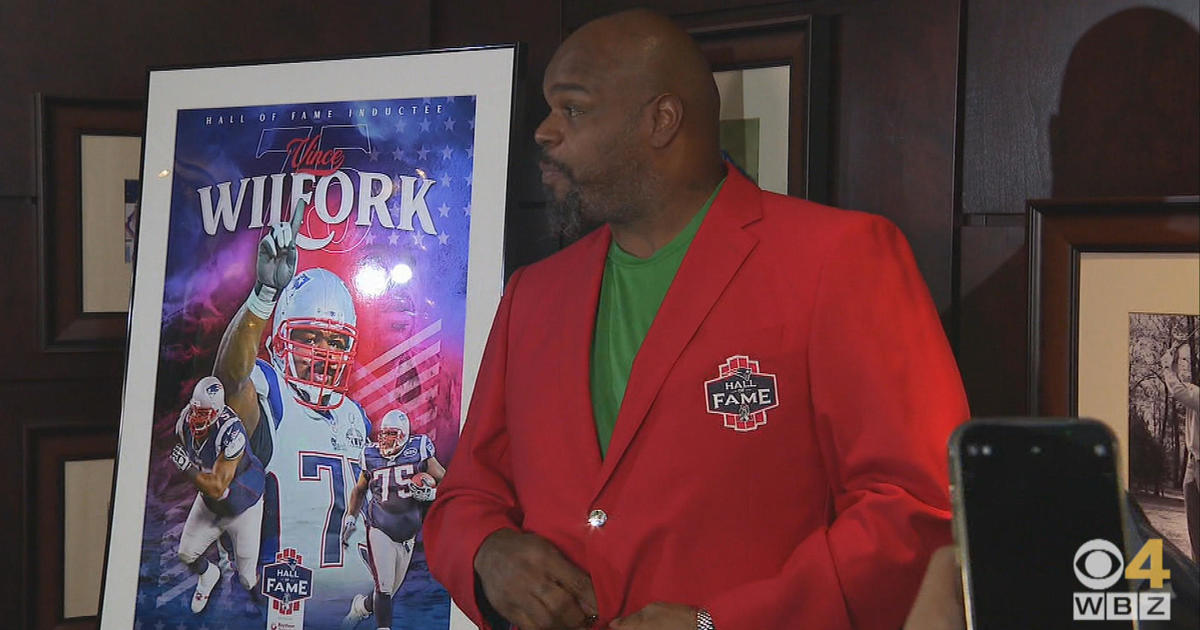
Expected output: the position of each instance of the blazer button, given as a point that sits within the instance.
(597, 518)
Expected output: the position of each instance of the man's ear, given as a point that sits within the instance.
(666, 113)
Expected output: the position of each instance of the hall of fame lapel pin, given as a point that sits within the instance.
(741, 394)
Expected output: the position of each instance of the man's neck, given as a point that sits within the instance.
(645, 235)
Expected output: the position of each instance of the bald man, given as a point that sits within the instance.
(724, 408)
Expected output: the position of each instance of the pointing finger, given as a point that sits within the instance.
(297, 216)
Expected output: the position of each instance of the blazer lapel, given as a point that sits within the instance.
(717, 252)
(579, 296)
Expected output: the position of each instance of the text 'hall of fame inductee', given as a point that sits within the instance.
(749, 394)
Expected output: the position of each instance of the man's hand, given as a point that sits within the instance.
(277, 256)
(658, 616)
(348, 527)
(181, 458)
(529, 582)
(939, 604)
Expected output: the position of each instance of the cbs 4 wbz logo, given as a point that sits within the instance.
(1099, 566)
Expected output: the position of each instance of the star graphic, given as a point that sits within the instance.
(425, 125)
(450, 99)
(469, 179)
(472, 98)
(422, 152)
(400, 124)
(398, 154)
(449, 122)
(472, 123)
(446, 179)
(471, 152)
(419, 239)
(393, 239)
(370, 238)
(446, 153)
(467, 210)
(141, 597)
(444, 210)
(443, 237)
(427, 101)
(373, 155)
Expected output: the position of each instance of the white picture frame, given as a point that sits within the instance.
(410, 82)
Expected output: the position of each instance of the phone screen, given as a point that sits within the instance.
(1030, 495)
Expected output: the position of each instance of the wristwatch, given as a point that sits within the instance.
(704, 620)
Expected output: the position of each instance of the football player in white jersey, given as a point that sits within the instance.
(308, 433)
(401, 472)
(212, 454)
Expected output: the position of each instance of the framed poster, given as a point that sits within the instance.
(319, 260)
(90, 153)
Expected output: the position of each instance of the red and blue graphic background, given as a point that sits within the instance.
(409, 289)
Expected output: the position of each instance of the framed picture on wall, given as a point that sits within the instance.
(67, 504)
(1115, 314)
(319, 256)
(90, 156)
(773, 76)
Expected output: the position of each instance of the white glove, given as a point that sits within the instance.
(348, 527)
(422, 493)
(276, 263)
(181, 458)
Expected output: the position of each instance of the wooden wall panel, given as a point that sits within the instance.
(896, 73)
(101, 51)
(1061, 99)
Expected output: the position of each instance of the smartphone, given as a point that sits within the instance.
(1030, 498)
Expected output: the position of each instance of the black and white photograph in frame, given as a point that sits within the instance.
(1164, 435)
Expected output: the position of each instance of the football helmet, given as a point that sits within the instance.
(314, 339)
(393, 433)
(208, 400)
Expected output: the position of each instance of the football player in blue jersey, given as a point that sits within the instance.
(401, 471)
(212, 454)
(304, 427)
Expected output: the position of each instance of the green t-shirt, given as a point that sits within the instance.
(630, 294)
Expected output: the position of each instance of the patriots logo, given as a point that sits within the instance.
(213, 389)
(741, 394)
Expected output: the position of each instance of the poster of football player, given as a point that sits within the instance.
(318, 261)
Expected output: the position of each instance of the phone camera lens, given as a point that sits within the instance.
(986, 450)
(1100, 450)
(972, 450)
(1035, 449)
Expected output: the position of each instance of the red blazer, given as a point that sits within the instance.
(815, 503)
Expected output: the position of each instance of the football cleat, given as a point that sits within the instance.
(204, 587)
(358, 612)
